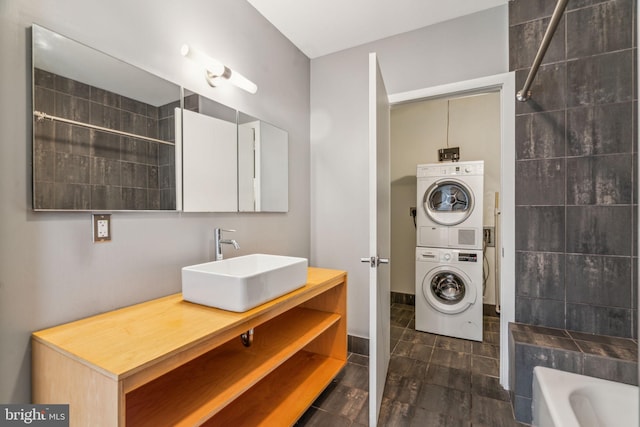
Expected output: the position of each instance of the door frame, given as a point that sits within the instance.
(504, 84)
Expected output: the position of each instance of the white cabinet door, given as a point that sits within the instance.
(210, 164)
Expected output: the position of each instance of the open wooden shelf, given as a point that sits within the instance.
(169, 362)
(283, 396)
(192, 393)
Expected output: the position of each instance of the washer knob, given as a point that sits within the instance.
(467, 169)
(447, 257)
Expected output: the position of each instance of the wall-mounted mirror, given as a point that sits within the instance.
(103, 130)
(263, 167)
(231, 161)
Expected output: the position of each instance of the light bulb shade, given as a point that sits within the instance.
(215, 67)
(216, 73)
(242, 82)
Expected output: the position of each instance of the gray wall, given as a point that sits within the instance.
(465, 48)
(50, 271)
(576, 180)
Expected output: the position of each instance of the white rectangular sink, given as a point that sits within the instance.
(241, 283)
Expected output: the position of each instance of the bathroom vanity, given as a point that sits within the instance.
(171, 362)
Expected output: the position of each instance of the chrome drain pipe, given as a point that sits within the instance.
(247, 338)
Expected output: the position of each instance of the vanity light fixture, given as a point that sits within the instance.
(216, 73)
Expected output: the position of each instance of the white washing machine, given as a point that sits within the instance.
(450, 205)
(449, 292)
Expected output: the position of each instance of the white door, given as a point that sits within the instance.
(379, 238)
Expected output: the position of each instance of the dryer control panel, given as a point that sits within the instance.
(451, 169)
(446, 256)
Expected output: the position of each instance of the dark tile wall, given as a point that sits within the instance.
(358, 345)
(401, 298)
(76, 167)
(576, 177)
(610, 358)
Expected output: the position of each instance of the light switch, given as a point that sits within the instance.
(101, 228)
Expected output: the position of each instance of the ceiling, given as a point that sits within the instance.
(321, 27)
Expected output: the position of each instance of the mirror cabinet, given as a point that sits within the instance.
(262, 175)
(103, 130)
(209, 156)
(108, 136)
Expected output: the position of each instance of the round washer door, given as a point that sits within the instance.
(448, 289)
(448, 202)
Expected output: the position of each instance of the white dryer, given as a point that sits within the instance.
(450, 205)
(449, 292)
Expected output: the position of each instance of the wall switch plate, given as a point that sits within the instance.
(101, 228)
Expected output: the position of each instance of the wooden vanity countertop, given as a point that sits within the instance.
(122, 342)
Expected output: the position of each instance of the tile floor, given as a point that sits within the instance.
(432, 381)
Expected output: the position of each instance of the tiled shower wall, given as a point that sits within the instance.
(576, 180)
(76, 167)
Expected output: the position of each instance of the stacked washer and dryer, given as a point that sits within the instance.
(449, 228)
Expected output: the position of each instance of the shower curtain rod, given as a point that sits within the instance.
(525, 93)
(41, 116)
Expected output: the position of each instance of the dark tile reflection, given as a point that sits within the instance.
(85, 168)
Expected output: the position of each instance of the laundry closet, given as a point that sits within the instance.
(457, 205)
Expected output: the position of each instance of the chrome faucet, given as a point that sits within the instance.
(219, 241)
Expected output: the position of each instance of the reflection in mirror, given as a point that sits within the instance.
(263, 166)
(209, 156)
(103, 130)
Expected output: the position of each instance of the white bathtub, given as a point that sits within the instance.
(563, 399)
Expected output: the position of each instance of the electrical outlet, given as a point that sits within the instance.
(101, 228)
(413, 212)
(452, 154)
(489, 236)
